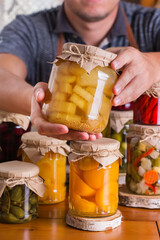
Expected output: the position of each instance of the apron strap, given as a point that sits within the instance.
(60, 44)
(130, 35)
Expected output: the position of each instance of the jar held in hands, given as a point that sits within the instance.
(81, 85)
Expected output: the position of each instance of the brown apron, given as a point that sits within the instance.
(130, 36)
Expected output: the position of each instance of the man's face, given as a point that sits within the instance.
(91, 10)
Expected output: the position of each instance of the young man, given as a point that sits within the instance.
(29, 42)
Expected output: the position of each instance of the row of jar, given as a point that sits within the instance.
(93, 185)
(94, 171)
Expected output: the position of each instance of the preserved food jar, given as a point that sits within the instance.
(125, 107)
(147, 107)
(12, 126)
(80, 88)
(93, 183)
(19, 187)
(119, 122)
(143, 159)
(49, 154)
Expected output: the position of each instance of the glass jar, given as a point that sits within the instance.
(20, 185)
(147, 110)
(49, 154)
(143, 159)
(147, 107)
(80, 88)
(120, 121)
(125, 107)
(93, 183)
(12, 126)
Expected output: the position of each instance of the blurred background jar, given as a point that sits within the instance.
(119, 123)
(143, 159)
(80, 88)
(125, 107)
(20, 187)
(93, 184)
(12, 126)
(49, 154)
(147, 107)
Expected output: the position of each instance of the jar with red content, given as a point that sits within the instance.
(12, 128)
(125, 107)
(147, 107)
(93, 183)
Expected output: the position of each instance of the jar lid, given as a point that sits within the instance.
(88, 57)
(118, 119)
(144, 129)
(122, 114)
(94, 146)
(18, 119)
(154, 91)
(105, 151)
(18, 169)
(34, 138)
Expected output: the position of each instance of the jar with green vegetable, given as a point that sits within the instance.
(119, 122)
(20, 186)
(143, 159)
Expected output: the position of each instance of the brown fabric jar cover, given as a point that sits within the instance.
(21, 173)
(147, 133)
(105, 151)
(118, 119)
(154, 91)
(35, 146)
(18, 119)
(88, 57)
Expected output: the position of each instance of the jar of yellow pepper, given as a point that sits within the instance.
(80, 88)
(93, 183)
(49, 154)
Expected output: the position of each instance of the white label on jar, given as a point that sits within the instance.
(96, 105)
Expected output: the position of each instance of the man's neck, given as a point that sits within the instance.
(92, 33)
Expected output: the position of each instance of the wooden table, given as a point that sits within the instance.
(137, 224)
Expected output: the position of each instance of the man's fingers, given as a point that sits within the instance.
(127, 75)
(130, 93)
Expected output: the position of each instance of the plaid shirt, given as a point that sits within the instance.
(33, 38)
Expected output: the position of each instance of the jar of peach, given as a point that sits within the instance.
(80, 88)
(93, 183)
(49, 154)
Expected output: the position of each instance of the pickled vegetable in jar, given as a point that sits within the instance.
(147, 107)
(119, 121)
(143, 159)
(93, 183)
(80, 88)
(20, 186)
(12, 126)
(49, 154)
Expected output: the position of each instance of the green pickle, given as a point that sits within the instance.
(18, 205)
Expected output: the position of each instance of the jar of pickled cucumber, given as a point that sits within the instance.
(93, 183)
(20, 186)
(119, 122)
(12, 126)
(80, 88)
(146, 108)
(143, 159)
(49, 154)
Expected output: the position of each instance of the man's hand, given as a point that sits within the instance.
(139, 72)
(52, 129)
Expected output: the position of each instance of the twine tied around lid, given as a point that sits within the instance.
(149, 134)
